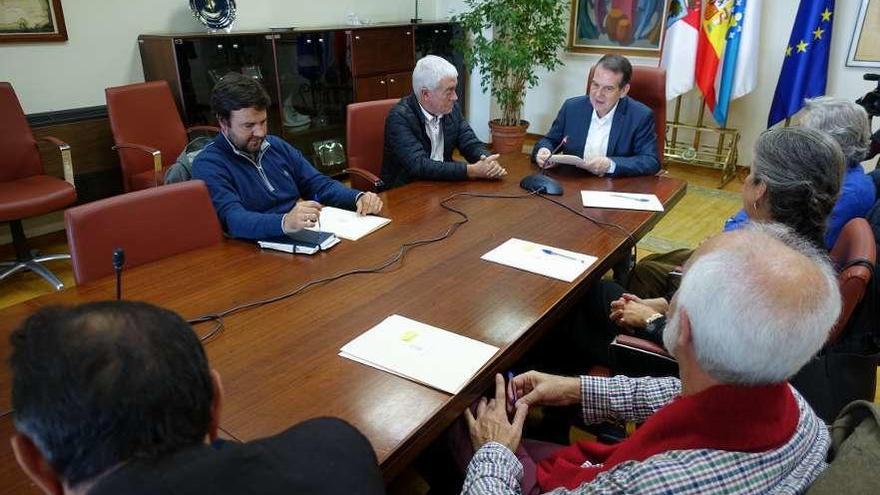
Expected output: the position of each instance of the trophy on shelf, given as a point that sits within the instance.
(214, 14)
(329, 154)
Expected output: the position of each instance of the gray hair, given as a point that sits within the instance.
(761, 305)
(845, 121)
(803, 169)
(429, 71)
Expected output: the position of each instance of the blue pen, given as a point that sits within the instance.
(640, 200)
(554, 253)
(513, 389)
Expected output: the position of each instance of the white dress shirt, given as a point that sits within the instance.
(435, 134)
(597, 136)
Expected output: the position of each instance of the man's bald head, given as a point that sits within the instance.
(760, 303)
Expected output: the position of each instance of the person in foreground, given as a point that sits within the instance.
(423, 129)
(613, 133)
(260, 185)
(117, 397)
(751, 310)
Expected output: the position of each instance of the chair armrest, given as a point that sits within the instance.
(66, 160)
(377, 183)
(157, 157)
(638, 344)
(205, 128)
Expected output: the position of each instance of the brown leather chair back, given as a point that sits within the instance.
(648, 85)
(855, 254)
(19, 156)
(365, 137)
(144, 114)
(149, 225)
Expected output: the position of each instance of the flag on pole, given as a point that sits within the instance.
(740, 63)
(713, 37)
(680, 46)
(805, 66)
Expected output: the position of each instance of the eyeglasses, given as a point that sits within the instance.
(605, 90)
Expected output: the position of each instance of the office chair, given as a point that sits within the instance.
(365, 135)
(147, 132)
(148, 225)
(648, 85)
(25, 189)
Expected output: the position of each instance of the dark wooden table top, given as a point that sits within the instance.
(279, 362)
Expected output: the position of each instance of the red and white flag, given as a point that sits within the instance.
(680, 46)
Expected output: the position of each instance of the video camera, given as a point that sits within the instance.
(871, 104)
(871, 101)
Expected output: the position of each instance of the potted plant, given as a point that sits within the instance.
(525, 35)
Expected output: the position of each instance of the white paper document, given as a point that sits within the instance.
(621, 200)
(572, 160)
(419, 352)
(348, 224)
(543, 260)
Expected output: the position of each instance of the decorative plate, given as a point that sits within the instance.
(215, 14)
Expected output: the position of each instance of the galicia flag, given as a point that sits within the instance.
(805, 66)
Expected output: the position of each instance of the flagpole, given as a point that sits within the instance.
(676, 120)
(699, 124)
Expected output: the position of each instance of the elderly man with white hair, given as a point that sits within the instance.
(754, 306)
(423, 129)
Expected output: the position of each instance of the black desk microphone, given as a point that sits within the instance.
(118, 262)
(541, 183)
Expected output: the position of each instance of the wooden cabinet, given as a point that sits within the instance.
(397, 85)
(382, 60)
(311, 75)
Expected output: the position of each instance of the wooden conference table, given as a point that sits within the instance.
(279, 362)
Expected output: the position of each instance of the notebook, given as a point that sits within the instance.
(348, 224)
(301, 242)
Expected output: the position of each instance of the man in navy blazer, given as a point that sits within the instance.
(613, 133)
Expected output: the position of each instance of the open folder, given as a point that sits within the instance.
(419, 352)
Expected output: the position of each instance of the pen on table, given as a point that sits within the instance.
(512, 388)
(554, 253)
(640, 200)
(318, 221)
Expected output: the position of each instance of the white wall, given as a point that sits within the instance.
(101, 50)
(748, 114)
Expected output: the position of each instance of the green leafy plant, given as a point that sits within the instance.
(525, 35)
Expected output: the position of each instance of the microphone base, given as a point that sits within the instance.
(542, 184)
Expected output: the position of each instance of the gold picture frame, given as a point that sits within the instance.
(626, 27)
(864, 48)
(24, 21)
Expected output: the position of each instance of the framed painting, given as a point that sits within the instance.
(31, 20)
(627, 27)
(864, 48)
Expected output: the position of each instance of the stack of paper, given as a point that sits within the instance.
(621, 200)
(348, 224)
(420, 352)
(543, 260)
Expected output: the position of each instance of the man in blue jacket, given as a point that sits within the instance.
(261, 186)
(614, 134)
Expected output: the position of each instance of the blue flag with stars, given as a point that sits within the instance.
(805, 66)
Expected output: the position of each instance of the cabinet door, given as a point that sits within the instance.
(399, 84)
(381, 51)
(370, 88)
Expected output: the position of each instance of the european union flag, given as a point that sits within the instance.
(805, 69)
